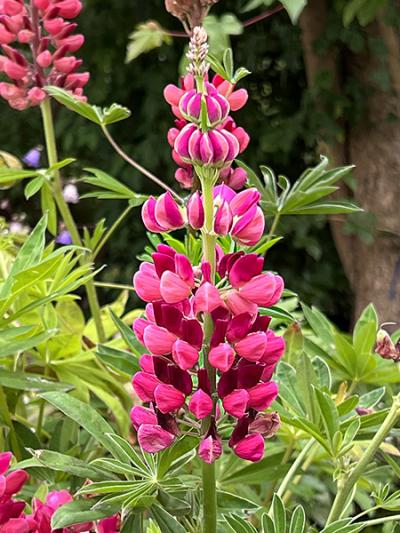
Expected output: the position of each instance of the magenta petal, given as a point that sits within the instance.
(149, 218)
(5, 460)
(192, 333)
(153, 438)
(250, 448)
(236, 402)
(158, 340)
(168, 398)
(194, 145)
(173, 289)
(239, 305)
(222, 357)
(167, 212)
(146, 363)
(142, 415)
(139, 326)
(252, 347)
(183, 268)
(183, 139)
(200, 404)
(250, 228)
(275, 348)
(144, 385)
(184, 354)
(262, 395)
(244, 201)
(244, 269)
(238, 99)
(207, 298)
(207, 152)
(15, 481)
(195, 211)
(220, 146)
(223, 219)
(147, 283)
(263, 289)
(173, 94)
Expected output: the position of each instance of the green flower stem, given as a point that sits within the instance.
(138, 167)
(274, 225)
(295, 466)
(110, 232)
(6, 416)
(382, 520)
(104, 285)
(306, 465)
(209, 243)
(346, 485)
(62, 205)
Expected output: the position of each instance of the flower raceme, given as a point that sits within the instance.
(235, 213)
(46, 41)
(243, 350)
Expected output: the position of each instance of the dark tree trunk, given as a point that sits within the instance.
(373, 145)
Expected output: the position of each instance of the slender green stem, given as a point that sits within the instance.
(285, 459)
(110, 232)
(382, 520)
(295, 466)
(105, 285)
(275, 223)
(306, 465)
(367, 511)
(65, 212)
(209, 243)
(6, 416)
(346, 485)
(136, 165)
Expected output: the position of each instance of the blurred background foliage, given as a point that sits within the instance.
(281, 118)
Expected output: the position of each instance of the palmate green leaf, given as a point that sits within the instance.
(268, 469)
(329, 413)
(33, 186)
(30, 254)
(319, 324)
(167, 523)
(127, 454)
(277, 312)
(11, 174)
(107, 182)
(264, 245)
(84, 415)
(78, 512)
(239, 524)
(322, 373)
(286, 376)
(95, 114)
(364, 336)
(305, 377)
(343, 526)
(370, 399)
(298, 520)
(294, 343)
(119, 360)
(173, 505)
(32, 382)
(227, 501)
(127, 334)
(145, 38)
(21, 345)
(70, 465)
(109, 487)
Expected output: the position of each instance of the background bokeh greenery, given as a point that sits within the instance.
(280, 118)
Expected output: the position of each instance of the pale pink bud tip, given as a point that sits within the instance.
(210, 449)
(153, 438)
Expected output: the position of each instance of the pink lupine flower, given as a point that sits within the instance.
(235, 178)
(142, 415)
(184, 354)
(215, 148)
(262, 395)
(168, 398)
(222, 357)
(147, 283)
(267, 424)
(236, 402)
(44, 28)
(144, 385)
(210, 449)
(201, 404)
(251, 447)
(216, 105)
(153, 438)
(195, 211)
(207, 298)
(162, 215)
(252, 347)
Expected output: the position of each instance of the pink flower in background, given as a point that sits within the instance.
(38, 44)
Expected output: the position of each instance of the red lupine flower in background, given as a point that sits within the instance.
(38, 43)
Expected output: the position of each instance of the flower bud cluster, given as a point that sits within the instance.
(237, 214)
(38, 43)
(223, 140)
(243, 351)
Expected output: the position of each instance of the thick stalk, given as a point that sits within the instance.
(209, 242)
(347, 484)
(65, 212)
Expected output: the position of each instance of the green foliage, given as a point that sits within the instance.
(145, 38)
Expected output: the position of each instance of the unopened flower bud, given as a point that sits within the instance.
(385, 347)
